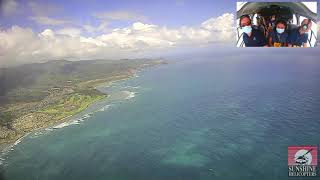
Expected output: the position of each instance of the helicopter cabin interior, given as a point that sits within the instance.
(262, 14)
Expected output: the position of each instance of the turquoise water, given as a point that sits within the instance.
(200, 118)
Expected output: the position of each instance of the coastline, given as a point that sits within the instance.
(6, 147)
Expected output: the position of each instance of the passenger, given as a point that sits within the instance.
(299, 37)
(279, 36)
(261, 24)
(273, 21)
(271, 24)
(252, 37)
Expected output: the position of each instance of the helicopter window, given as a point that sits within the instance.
(264, 19)
(255, 19)
(294, 19)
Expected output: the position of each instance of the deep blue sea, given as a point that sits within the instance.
(199, 118)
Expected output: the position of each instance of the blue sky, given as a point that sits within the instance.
(168, 13)
(172, 13)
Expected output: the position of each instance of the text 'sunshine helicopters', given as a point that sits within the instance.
(291, 12)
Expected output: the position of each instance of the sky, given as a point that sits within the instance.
(39, 30)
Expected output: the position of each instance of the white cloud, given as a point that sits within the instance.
(22, 45)
(69, 31)
(8, 7)
(143, 27)
(121, 15)
(223, 22)
(91, 29)
(47, 33)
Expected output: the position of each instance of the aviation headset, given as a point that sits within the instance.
(244, 16)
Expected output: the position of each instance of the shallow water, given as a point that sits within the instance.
(192, 119)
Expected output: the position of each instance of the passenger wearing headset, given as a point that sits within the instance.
(252, 37)
(299, 37)
(278, 37)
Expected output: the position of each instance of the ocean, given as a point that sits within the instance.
(198, 118)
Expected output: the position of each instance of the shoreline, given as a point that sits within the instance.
(6, 147)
